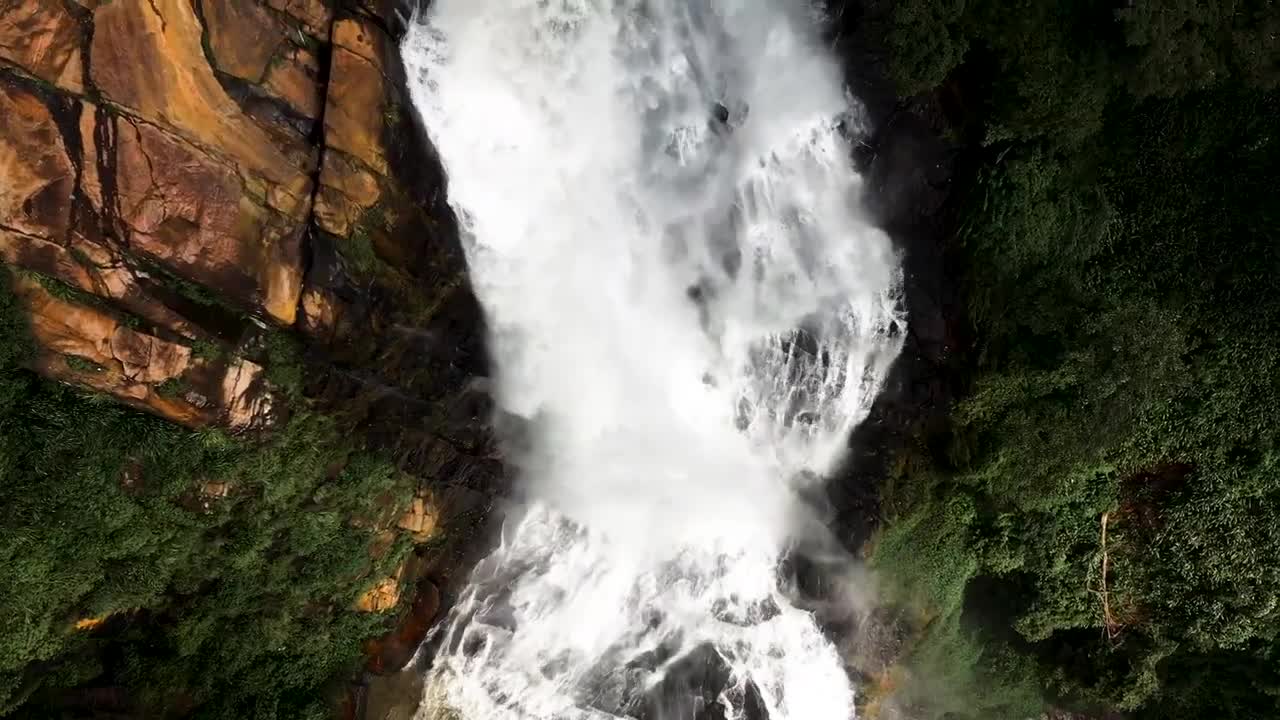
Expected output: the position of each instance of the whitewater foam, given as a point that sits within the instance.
(690, 310)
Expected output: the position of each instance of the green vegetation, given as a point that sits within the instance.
(359, 250)
(63, 291)
(83, 365)
(1098, 528)
(392, 115)
(283, 363)
(192, 292)
(172, 387)
(67, 293)
(208, 349)
(223, 571)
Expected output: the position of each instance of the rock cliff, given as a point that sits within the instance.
(190, 184)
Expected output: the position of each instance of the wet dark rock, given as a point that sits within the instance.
(758, 611)
(392, 652)
(690, 689)
(909, 169)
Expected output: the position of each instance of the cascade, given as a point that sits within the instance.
(690, 311)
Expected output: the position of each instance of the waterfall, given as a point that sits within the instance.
(690, 311)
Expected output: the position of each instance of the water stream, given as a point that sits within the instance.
(690, 312)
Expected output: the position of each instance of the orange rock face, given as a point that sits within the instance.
(35, 198)
(43, 38)
(243, 35)
(196, 182)
(383, 596)
(316, 16)
(197, 152)
(88, 346)
(347, 191)
(148, 58)
(354, 126)
(167, 170)
(294, 77)
(188, 211)
(355, 167)
(421, 521)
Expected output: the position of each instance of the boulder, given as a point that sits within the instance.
(383, 596)
(421, 520)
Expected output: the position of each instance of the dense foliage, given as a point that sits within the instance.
(1102, 529)
(223, 571)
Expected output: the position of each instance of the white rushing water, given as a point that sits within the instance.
(691, 312)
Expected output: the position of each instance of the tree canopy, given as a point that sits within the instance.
(197, 574)
(1100, 531)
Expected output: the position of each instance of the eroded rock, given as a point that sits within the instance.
(422, 519)
(168, 167)
(35, 197)
(316, 16)
(294, 76)
(383, 596)
(188, 211)
(243, 36)
(347, 191)
(94, 269)
(353, 118)
(88, 346)
(148, 58)
(43, 39)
